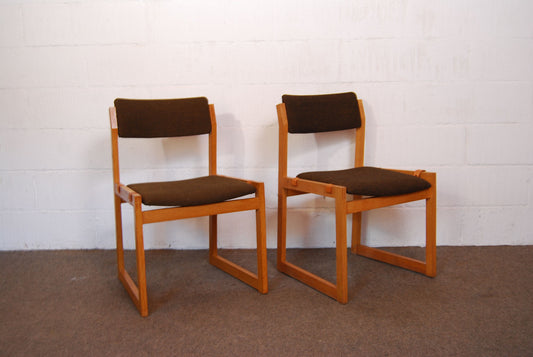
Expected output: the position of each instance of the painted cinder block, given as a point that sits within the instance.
(237, 62)
(452, 190)
(68, 108)
(485, 186)
(113, 22)
(26, 67)
(498, 186)
(15, 112)
(129, 65)
(416, 145)
(18, 190)
(403, 59)
(490, 59)
(501, 102)
(54, 230)
(511, 19)
(261, 143)
(54, 149)
(192, 233)
(48, 24)
(392, 227)
(163, 153)
(85, 23)
(73, 190)
(254, 21)
(175, 22)
(429, 103)
(244, 236)
(279, 61)
(11, 25)
(504, 225)
(376, 60)
(450, 225)
(500, 144)
(441, 19)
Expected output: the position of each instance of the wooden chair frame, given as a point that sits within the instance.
(290, 186)
(124, 194)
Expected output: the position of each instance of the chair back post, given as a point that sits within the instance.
(114, 145)
(283, 141)
(360, 138)
(213, 141)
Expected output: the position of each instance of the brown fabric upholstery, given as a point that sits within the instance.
(319, 113)
(192, 192)
(146, 118)
(369, 181)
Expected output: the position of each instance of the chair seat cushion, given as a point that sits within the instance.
(369, 181)
(192, 192)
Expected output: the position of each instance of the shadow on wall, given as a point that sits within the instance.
(230, 146)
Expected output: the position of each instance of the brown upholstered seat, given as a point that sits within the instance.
(192, 192)
(369, 181)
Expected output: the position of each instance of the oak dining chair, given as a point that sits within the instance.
(354, 190)
(209, 195)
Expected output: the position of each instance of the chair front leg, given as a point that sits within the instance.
(213, 238)
(137, 291)
(282, 229)
(118, 234)
(260, 222)
(341, 245)
(139, 251)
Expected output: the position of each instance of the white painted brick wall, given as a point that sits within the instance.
(75, 23)
(11, 26)
(447, 86)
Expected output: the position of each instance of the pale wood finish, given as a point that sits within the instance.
(124, 194)
(290, 186)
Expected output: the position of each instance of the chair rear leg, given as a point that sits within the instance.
(213, 238)
(356, 231)
(431, 232)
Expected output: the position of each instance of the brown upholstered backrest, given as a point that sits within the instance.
(318, 113)
(151, 118)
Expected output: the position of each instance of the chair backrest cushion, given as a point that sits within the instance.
(319, 113)
(151, 118)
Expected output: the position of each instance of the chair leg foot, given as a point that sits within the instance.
(133, 292)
